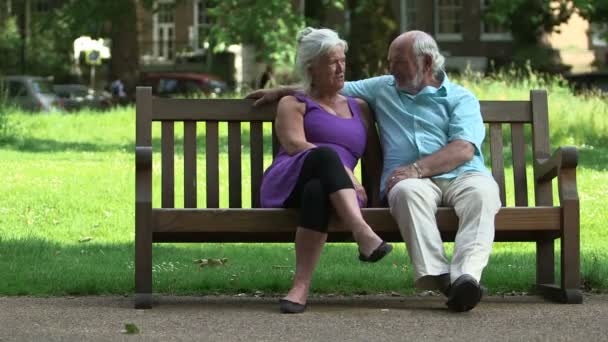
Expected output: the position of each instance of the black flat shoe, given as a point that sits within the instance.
(464, 294)
(287, 306)
(378, 253)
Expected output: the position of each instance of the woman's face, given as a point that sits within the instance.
(328, 71)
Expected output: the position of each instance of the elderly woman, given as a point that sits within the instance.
(322, 136)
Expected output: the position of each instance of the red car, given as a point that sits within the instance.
(174, 83)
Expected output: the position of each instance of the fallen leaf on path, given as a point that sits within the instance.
(211, 262)
(130, 328)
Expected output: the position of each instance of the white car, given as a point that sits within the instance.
(29, 93)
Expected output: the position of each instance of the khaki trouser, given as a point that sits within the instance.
(475, 198)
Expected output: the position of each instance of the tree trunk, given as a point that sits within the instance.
(124, 64)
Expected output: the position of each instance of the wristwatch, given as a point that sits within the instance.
(417, 168)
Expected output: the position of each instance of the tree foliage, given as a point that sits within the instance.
(373, 26)
(529, 19)
(10, 43)
(271, 26)
(596, 11)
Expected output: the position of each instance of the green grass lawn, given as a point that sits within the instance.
(67, 213)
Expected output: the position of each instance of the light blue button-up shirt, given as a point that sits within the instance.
(412, 127)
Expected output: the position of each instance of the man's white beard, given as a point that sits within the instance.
(413, 87)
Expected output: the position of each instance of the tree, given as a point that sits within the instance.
(9, 45)
(596, 11)
(529, 19)
(116, 20)
(373, 26)
(271, 26)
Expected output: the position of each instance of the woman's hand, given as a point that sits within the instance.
(359, 189)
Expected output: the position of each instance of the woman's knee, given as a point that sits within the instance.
(314, 210)
(324, 156)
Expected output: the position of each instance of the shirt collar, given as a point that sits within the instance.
(442, 91)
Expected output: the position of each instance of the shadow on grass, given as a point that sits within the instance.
(37, 145)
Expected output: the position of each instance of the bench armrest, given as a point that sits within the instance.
(143, 176)
(563, 158)
(143, 157)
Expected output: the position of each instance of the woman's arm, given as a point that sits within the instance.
(289, 124)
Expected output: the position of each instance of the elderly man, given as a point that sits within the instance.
(431, 132)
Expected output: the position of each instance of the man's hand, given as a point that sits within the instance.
(360, 190)
(399, 174)
(264, 96)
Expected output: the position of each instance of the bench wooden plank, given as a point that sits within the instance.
(256, 141)
(234, 165)
(275, 143)
(506, 111)
(242, 110)
(169, 109)
(540, 144)
(520, 179)
(380, 219)
(190, 164)
(498, 160)
(167, 161)
(212, 164)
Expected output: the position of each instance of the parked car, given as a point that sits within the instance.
(78, 96)
(591, 80)
(174, 83)
(29, 93)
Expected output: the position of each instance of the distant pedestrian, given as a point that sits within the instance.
(267, 78)
(117, 89)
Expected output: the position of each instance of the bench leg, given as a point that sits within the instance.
(143, 276)
(545, 262)
(570, 253)
(143, 262)
(569, 292)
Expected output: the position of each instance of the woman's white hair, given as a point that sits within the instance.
(313, 43)
(424, 44)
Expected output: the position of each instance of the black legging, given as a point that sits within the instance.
(322, 174)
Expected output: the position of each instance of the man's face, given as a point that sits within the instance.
(405, 67)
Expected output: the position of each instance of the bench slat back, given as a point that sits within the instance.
(168, 164)
(244, 175)
(190, 164)
(212, 164)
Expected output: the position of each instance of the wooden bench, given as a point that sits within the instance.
(541, 222)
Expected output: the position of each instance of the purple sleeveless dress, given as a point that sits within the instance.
(345, 136)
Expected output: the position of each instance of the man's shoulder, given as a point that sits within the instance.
(376, 80)
(458, 94)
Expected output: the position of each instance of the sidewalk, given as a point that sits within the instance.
(368, 318)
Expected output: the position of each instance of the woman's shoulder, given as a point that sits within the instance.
(291, 102)
(363, 105)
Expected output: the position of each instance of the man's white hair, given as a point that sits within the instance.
(423, 44)
(313, 43)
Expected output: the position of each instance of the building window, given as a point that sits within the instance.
(164, 31)
(448, 20)
(491, 31)
(202, 23)
(408, 15)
